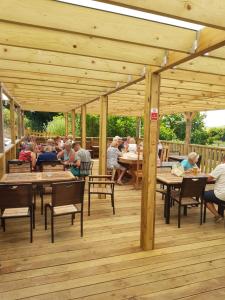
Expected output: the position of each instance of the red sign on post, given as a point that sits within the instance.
(154, 114)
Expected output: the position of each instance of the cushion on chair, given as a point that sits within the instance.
(185, 200)
(64, 209)
(101, 190)
(16, 212)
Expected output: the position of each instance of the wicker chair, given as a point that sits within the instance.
(49, 166)
(16, 201)
(192, 189)
(66, 196)
(19, 166)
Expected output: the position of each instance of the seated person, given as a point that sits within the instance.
(216, 196)
(113, 154)
(81, 156)
(190, 163)
(47, 155)
(27, 154)
(68, 154)
(121, 146)
(132, 146)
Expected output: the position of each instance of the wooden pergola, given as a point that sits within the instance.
(67, 58)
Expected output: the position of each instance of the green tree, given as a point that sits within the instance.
(39, 120)
(122, 126)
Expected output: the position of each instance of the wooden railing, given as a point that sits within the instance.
(210, 156)
(10, 153)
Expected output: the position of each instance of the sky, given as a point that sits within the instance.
(215, 118)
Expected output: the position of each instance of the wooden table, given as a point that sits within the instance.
(37, 177)
(178, 158)
(132, 162)
(170, 180)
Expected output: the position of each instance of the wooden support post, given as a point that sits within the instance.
(103, 134)
(189, 116)
(73, 115)
(151, 128)
(66, 124)
(22, 124)
(83, 125)
(12, 121)
(19, 122)
(2, 144)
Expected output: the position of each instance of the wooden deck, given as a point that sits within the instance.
(107, 263)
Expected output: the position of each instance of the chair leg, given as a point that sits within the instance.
(46, 216)
(179, 214)
(113, 204)
(3, 224)
(81, 223)
(185, 210)
(42, 203)
(31, 224)
(204, 214)
(33, 210)
(89, 204)
(52, 226)
(72, 218)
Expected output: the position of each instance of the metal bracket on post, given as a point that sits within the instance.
(195, 43)
(165, 59)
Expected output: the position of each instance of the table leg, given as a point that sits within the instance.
(167, 204)
(201, 208)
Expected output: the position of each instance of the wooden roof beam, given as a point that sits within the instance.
(204, 12)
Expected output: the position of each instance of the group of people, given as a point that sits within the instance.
(116, 150)
(65, 149)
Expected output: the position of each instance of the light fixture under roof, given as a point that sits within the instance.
(134, 13)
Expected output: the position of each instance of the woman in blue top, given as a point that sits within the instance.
(190, 163)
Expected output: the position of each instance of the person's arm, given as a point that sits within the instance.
(72, 157)
(33, 160)
(60, 154)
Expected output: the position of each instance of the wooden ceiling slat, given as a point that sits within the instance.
(92, 22)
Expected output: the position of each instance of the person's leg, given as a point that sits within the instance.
(210, 200)
(122, 172)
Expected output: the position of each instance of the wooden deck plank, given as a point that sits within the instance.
(187, 263)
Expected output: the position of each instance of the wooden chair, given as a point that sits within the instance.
(192, 189)
(86, 168)
(49, 166)
(52, 166)
(67, 199)
(19, 166)
(16, 201)
(164, 154)
(101, 185)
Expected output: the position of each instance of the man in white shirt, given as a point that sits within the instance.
(216, 196)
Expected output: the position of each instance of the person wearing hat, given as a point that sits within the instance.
(190, 163)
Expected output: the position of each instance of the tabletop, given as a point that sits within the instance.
(170, 179)
(177, 157)
(37, 177)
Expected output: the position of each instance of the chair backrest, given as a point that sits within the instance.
(51, 166)
(164, 153)
(19, 166)
(193, 186)
(68, 192)
(86, 168)
(199, 161)
(14, 196)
